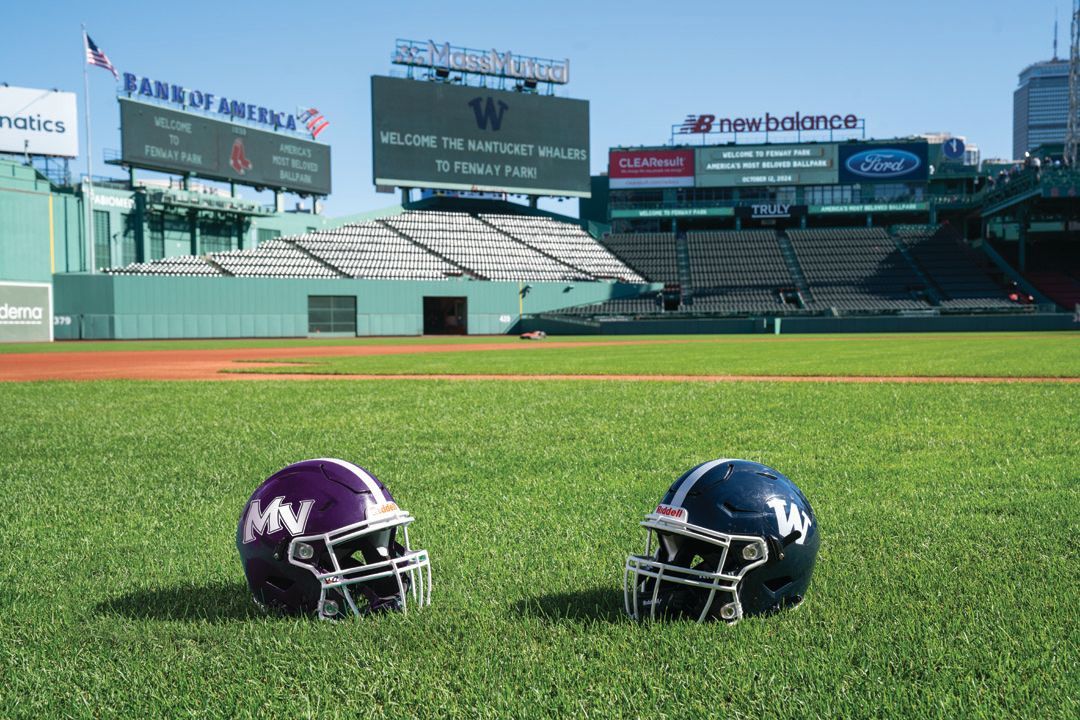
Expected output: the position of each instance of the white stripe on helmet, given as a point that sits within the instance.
(692, 478)
(365, 477)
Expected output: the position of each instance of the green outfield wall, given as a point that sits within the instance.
(40, 227)
(143, 307)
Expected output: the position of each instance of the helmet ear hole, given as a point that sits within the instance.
(777, 584)
(281, 584)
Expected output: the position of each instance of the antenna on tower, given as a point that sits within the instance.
(1055, 32)
(1072, 127)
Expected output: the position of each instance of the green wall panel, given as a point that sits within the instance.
(158, 307)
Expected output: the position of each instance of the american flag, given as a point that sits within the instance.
(314, 121)
(95, 56)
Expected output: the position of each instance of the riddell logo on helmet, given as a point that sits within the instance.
(260, 522)
(386, 508)
(672, 512)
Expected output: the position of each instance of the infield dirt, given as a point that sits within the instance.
(221, 364)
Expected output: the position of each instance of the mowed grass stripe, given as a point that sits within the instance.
(930, 355)
(945, 586)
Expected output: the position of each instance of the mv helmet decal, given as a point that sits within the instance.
(277, 514)
(790, 521)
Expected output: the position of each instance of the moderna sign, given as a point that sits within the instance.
(883, 163)
(650, 168)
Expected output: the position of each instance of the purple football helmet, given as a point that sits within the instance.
(326, 537)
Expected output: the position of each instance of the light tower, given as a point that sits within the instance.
(1072, 127)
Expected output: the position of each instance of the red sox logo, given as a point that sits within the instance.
(238, 159)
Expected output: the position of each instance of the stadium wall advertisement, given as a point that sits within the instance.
(484, 62)
(705, 123)
(893, 162)
(737, 165)
(436, 135)
(185, 98)
(171, 141)
(38, 122)
(650, 168)
(26, 313)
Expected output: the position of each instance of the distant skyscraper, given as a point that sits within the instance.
(1040, 106)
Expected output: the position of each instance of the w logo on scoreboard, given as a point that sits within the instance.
(486, 114)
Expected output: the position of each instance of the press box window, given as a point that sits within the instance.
(332, 314)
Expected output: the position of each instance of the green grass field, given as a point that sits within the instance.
(937, 354)
(945, 587)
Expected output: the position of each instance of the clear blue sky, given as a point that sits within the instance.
(906, 67)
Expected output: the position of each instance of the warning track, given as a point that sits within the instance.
(222, 364)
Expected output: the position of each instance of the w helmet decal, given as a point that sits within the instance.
(791, 520)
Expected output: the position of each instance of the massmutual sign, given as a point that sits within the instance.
(502, 63)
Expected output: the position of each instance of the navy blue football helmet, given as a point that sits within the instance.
(731, 538)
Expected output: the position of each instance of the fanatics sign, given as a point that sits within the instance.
(651, 168)
(38, 122)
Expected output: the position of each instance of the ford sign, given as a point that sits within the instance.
(883, 163)
(901, 161)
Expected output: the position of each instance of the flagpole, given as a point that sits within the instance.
(88, 197)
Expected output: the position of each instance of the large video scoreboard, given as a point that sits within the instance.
(443, 136)
(157, 138)
(769, 165)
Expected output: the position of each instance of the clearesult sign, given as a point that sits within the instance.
(38, 122)
(26, 312)
(650, 168)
